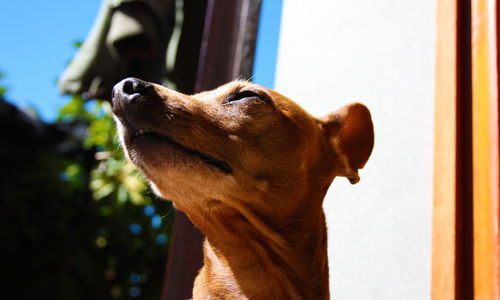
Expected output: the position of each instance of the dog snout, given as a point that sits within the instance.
(130, 90)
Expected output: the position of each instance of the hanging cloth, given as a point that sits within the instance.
(128, 38)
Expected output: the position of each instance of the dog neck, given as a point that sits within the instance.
(251, 256)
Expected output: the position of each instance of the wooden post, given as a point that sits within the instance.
(452, 209)
(486, 149)
(228, 43)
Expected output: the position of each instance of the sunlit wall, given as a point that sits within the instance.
(382, 54)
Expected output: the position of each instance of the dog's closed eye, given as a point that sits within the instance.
(246, 95)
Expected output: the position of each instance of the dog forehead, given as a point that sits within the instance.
(222, 91)
(238, 85)
(281, 103)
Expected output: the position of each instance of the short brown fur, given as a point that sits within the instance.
(250, 168)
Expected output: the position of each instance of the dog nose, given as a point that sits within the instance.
(130, 89)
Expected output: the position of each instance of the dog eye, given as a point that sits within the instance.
(243, 96)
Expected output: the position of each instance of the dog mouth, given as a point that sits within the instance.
(148, 135)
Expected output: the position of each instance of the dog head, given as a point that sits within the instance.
(238, 142)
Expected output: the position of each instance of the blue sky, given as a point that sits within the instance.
(36, 44)
(266, 50)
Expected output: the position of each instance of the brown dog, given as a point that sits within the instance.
(250, 168)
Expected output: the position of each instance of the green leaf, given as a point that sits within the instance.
(73, 110)
(2, 91)
(104, 191)
(105, 211)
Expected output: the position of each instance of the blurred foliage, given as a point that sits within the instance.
(80, 226)
(114, 176)
(77, 44)
(2, 88)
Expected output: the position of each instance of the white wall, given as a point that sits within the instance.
(382, 54)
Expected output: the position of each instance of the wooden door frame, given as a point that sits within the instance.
(452, 216)
(465, 242)
(485, 116)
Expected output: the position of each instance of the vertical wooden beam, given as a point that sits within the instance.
(228, 44)
(486, 149)
(445, 144)
(185, 259)
(452, 207)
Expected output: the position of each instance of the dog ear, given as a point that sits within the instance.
(350, 132)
